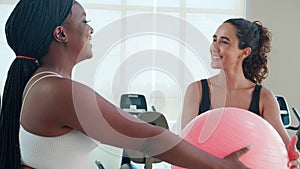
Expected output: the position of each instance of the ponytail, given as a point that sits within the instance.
(258, 38)
(29, 33)
(19, 73)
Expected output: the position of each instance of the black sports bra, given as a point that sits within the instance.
(205, 104)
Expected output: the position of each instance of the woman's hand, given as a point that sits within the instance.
(293, 154)
(232, 160)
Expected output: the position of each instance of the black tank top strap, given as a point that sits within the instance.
(254, 105)
(205, 104)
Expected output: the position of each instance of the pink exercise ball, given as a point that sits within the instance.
(225, 130)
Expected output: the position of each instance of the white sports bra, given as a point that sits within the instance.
(68, 151)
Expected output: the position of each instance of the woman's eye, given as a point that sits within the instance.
(86, 21)
(225, 42)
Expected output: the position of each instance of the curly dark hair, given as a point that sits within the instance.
(258, 38)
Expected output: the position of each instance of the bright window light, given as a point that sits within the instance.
(144, 46)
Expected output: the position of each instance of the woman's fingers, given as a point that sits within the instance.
(293, 153)
(240, 152)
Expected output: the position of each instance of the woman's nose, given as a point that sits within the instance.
(91, 30)
(214, 46)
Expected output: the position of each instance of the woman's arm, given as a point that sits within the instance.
(90, 113)
(270, 112)
(26, 167)
(191, 103)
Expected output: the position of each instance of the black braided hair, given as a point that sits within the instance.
(29, 32)
(258, 38)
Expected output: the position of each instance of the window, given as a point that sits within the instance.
(7, 55)
(155, 48)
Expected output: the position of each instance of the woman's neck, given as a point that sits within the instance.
(63, 72)
(231, 80)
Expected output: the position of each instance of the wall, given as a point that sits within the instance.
(282, 18)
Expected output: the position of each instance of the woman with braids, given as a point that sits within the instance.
(240, 50)
(50, 121)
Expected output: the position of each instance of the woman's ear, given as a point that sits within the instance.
(246, 52)
(60, 35)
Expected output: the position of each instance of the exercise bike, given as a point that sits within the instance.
(286, 117)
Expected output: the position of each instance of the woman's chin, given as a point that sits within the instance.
(216, 66)
(84, 57)
(89, 57)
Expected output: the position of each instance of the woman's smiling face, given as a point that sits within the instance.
(79, 32)
(224, 49)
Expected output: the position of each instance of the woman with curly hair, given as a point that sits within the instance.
(240, 50)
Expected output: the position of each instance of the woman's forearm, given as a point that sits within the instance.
(187, 155)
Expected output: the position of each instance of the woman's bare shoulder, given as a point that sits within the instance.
(266, 93)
